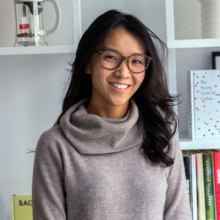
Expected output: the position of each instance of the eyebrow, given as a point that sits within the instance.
(109, 48)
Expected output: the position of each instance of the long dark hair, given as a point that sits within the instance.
(153, 99)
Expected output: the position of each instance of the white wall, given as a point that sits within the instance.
(31, 91)
(32, 87)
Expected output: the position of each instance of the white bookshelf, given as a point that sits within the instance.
(173, 45)
(6, 51)
(194, 43)
(189, 144)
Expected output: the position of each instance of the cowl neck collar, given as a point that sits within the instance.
(91, 134)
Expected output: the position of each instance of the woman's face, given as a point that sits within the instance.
(126, 44)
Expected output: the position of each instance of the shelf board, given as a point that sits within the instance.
(194, 43)
(37, 50)
(200, 144)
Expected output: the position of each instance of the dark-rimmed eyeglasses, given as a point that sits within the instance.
(111, 59)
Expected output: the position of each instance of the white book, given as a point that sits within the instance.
(203, 87)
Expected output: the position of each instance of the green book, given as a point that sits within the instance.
(200, 188)
(208, 185)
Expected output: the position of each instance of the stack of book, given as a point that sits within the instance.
(202, 170)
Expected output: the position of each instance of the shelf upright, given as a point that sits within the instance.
(77, 24)
(172, 52)
(170, 20)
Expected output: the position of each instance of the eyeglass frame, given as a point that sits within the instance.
(123, 58)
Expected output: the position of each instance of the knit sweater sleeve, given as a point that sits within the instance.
(48, 192)
(177, 200)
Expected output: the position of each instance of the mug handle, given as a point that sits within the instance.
(58, 20)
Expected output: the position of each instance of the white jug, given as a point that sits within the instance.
(30, 22)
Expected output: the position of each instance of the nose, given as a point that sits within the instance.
(123, 70)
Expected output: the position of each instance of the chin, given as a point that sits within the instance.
(119, 101)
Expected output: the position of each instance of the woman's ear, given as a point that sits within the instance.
(87, 69)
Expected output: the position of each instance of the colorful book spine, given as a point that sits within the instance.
(216, 171)
(193, 187)
(186, 160)
(208, 184)
(200, 188)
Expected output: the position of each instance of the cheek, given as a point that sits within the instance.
(139, 79)
(104, 73)
(99, 75)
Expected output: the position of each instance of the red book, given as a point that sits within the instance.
(216, 172)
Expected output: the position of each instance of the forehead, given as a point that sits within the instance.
(123, 41)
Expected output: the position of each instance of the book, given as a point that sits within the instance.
(186, 161)
(22, 207)
(193, 184)
(200, 187)
(216, 60)
(216, 172)
(208, 184)
(203, 104)
(194, 188)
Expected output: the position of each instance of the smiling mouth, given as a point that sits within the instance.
(119, 86)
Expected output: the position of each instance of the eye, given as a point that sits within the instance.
(137, 61)
(111, 57)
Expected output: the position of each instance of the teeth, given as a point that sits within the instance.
(119, 86)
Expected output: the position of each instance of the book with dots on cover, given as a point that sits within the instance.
(203, 87)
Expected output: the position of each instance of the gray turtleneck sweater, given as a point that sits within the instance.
(93, 168)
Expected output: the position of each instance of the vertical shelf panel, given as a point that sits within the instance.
(77, 24)
(172, 52)
(170, 20)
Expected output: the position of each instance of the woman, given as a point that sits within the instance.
(113, 153)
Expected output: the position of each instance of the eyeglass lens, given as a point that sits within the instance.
(111, 60)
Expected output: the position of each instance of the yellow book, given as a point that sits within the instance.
(22, 207)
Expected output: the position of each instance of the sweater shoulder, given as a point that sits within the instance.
(55, 133)
(50, 139)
